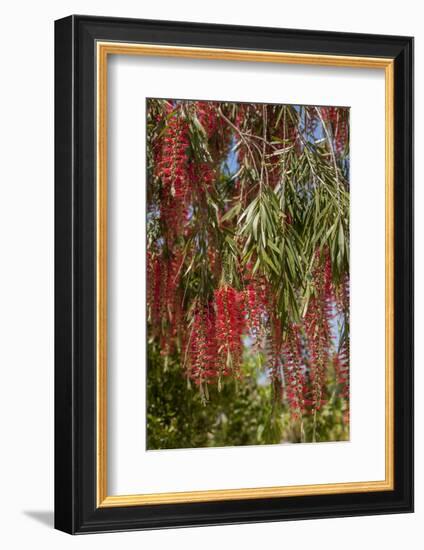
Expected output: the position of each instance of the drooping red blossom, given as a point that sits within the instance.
(202, 347)
(230, 325)
(172, 297)
(163, 275)
(173, 165)
(241, 114)
(255, 312)
(201, 176)
(171, 282)
(207, 115)
(253, 306)
(157, 291)
(172, 168)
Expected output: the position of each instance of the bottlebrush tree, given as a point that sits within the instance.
(248, 249)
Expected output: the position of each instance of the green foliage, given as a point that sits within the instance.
(241, 412)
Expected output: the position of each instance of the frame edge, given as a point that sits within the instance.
(64, 448)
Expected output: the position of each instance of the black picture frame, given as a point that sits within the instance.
(76, 508)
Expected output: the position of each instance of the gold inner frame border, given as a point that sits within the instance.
(103, 50)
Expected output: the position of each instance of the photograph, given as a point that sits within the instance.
(247, 273)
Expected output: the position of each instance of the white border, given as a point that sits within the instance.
(131, 469)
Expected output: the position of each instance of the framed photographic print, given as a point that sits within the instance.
(234, 274)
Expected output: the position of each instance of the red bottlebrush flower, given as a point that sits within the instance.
(325, 113)
(157, 301)
(172, 168)
(229, 327)
(207, 115)
(163, 295)
(253, 308)
(171, 308)
(171, 282)
(241, 113)
(202, 346)
(173, 165)
(201, 176)
(256, 314)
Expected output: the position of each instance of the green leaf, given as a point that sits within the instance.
(255, 226)
(199, 126)
(273, 246)
(268, 260)
(341, 237)
(231, 213)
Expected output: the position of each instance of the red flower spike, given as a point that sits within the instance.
(172, 168)
(207, 115)
(230, 324)
(203, 346)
